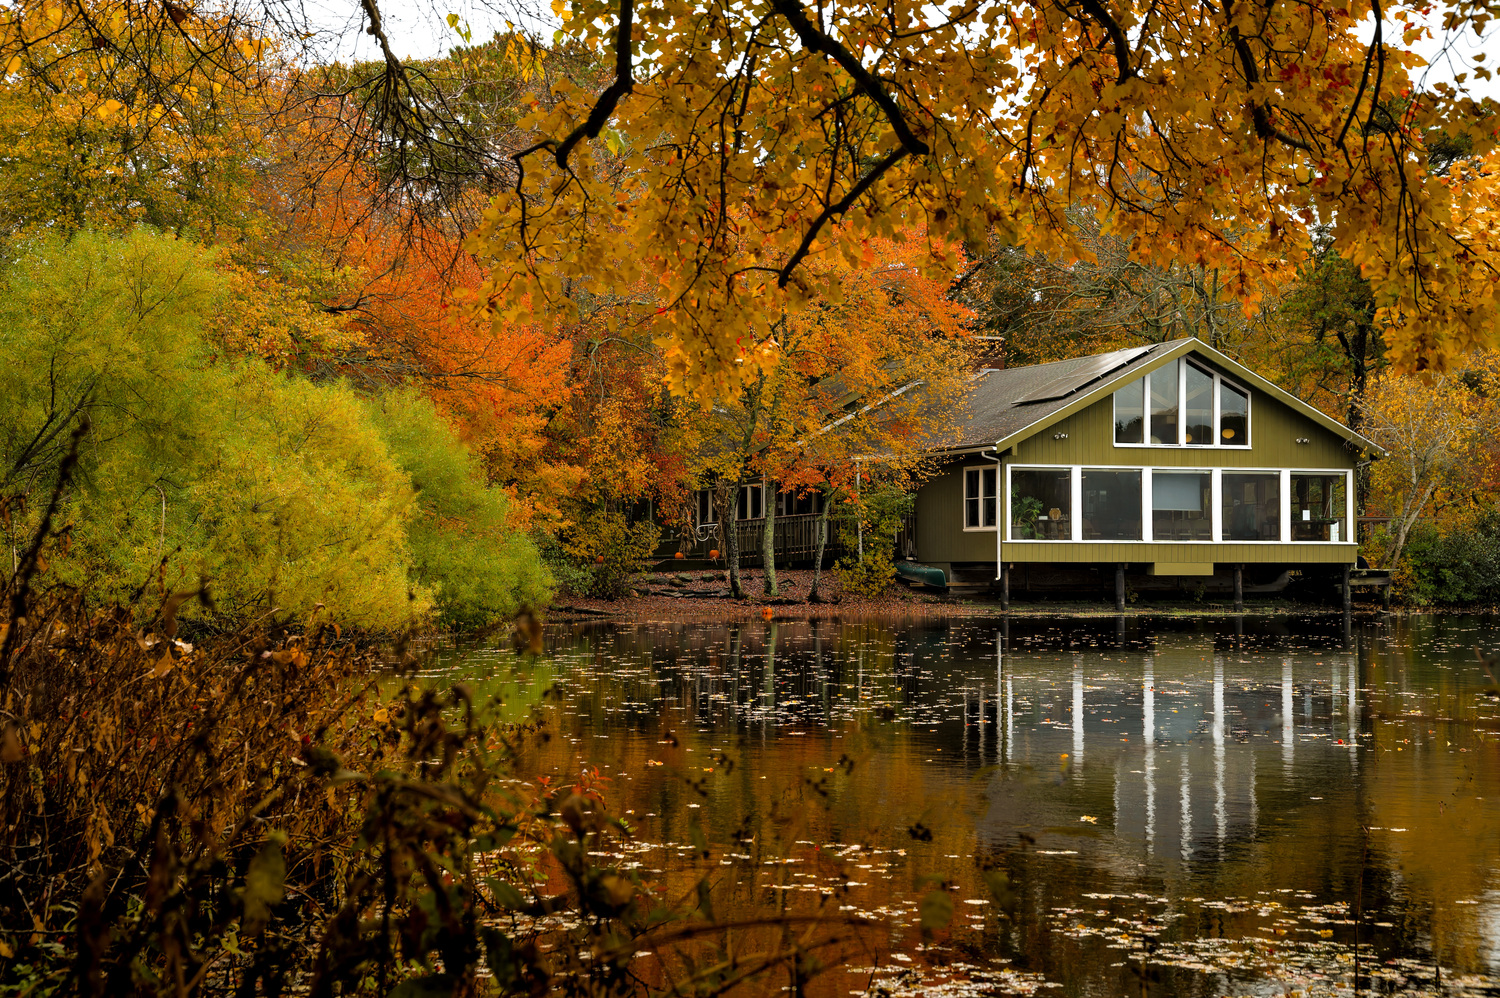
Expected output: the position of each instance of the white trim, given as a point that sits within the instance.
(964, 503)
(1286, 506)
(1075, 501)
(1147, 488)
(1216, 513)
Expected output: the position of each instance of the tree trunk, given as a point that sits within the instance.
(732, 542)
(768, 545)
(813, 595)
(768, 540)
(732, 538)
(1409, 518)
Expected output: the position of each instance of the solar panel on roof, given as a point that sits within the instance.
(1084, 374)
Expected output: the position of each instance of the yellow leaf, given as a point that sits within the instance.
(108, 109)
(14, 66)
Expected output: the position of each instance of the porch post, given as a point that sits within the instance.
(1348, 593)
(1004, 587)
(1239, 588)
(1119, 588)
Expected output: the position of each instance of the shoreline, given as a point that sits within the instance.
(703, 595)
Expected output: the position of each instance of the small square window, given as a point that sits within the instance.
(981, 494)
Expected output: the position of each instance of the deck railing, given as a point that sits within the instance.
(796, 540)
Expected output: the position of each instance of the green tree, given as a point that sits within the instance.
(464, 548)
(277, 489)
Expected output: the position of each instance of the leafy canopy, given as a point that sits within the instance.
(738, 140)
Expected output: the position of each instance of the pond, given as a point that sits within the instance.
(1141, 805)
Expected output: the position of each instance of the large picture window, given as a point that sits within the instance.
(1163, 505)
(1320, 507)
(1251, 505)
(799, 503)
(980, 497)
(1182, 403)
(1041, 501)
(1111, 505)
(1181, 507)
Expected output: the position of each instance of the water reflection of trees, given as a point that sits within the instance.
(1219, 758)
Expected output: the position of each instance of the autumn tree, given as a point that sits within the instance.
(1045, 309)
(112, 114)
(1438, 435)
(861, 372)
(1218, 137)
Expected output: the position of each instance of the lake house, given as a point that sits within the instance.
(1169, 465)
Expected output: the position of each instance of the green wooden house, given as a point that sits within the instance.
(1170, 464)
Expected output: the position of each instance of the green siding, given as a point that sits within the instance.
(1128, 552)
(1274, 429)
(941, 536)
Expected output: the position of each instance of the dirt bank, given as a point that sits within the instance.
(697, 595)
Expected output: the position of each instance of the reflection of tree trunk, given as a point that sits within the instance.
(768, 692)
(813, 594)
(735, 640)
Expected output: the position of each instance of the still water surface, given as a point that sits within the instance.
(1118, 806)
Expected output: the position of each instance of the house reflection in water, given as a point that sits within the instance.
(1173, 751)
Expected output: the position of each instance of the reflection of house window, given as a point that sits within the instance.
(980, 494)
(706, 507)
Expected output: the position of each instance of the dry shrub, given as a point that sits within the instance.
(253, 817)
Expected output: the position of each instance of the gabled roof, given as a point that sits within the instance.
(1006, 406)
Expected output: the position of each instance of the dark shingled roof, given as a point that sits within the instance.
(993, 410)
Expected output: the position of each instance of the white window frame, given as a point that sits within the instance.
(1148, 508)
(1075, 496)
(699, 504)
(1078, 471)
(963, 508)
(749, 503)
(1281, 484)
(1348, 502)
(1148, 473)
(1218, 410)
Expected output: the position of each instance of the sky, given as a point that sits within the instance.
(418, 29)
